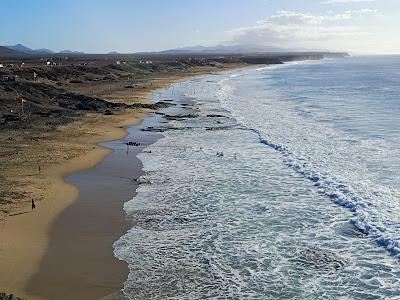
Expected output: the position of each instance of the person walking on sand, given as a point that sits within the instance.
(33, 204)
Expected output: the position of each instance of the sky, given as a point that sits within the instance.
(126, 26)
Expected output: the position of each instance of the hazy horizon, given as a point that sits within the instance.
(356, 26)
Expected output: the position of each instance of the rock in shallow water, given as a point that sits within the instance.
(320, 260)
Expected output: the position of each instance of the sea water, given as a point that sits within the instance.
(286, 185)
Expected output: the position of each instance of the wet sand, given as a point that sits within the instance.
(76, 252)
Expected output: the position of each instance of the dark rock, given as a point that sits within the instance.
(179, 117)
(4, 296)
(133, 143)
(320, 260)
(153, 129)
(42, 113)
(11, 117)
(81, 102)
(215, 116)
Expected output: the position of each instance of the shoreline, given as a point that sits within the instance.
(25, 236)
(96, 219)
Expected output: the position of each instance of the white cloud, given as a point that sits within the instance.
(295, 29)
(345, 1)
(287, 18)
(295, 18)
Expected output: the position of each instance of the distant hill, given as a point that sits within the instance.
(237, 49)
(7, 52)
(113, 52)
(225, 49)
(25, 49)
(20, 48)
(44, 50)
(71, 52)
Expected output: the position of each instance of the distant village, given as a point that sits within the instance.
(52, 62)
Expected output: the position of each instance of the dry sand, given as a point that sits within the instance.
(24, 235)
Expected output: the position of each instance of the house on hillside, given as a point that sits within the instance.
(7, 78)
(145, 62)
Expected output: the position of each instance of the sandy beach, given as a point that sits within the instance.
(25, 234)
(33, 243)
(95, 220)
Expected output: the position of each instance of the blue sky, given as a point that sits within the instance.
(98, 26)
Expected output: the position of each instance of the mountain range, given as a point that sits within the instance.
(220, 49)
(24, 49)
(238, 49)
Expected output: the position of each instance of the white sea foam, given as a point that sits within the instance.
(258, 223)
(335, 161)
(235, 75)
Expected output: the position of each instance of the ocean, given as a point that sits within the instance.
(282, 182)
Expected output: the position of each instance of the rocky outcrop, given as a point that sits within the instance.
(4, 296)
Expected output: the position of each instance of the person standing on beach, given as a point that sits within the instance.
(33, 204)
